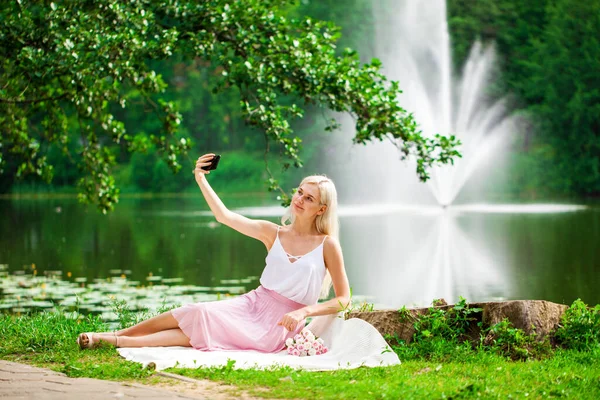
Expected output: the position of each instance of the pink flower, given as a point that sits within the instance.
(305, 344)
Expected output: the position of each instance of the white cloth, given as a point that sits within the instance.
(352, 343)
(299, 280)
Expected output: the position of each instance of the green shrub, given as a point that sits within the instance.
(450, 333)
(450, 324)
(506, 340)
(580, 327)
(439, 334)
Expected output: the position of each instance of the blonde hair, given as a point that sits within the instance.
(327, 223)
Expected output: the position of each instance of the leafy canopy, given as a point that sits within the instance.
(66, 65)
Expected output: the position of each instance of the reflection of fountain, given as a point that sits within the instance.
(433, 267)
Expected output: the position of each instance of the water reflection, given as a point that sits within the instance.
(447, 264)
(409, 255)
(395, 254)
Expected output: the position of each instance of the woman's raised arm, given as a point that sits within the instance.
(257, 229)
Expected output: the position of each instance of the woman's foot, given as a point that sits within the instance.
(90, 340)
(86, 341)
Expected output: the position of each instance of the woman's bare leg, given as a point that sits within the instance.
(168, 337)
(159, 323)
(162, 322)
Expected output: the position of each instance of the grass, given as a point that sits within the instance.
(486, 375)
(48, 340)
(433, 366)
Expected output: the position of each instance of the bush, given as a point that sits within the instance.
(441, 333)
(451, 333)
(580, 327)
(506, 340)
(449, 324)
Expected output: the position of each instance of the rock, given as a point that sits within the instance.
(533, 316)
(538, 316)
(392, 322)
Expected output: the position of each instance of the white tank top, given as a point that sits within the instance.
(298, 278)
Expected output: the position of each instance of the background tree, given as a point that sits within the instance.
(549, 60)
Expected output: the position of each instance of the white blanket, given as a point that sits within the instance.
(352, 343)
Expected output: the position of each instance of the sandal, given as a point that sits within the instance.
(91, 344)
(90, 341)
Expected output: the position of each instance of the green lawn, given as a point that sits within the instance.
(565, 374)
(49, 340)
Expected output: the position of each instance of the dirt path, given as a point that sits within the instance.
(20, 381)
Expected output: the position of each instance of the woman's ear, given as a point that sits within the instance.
(322, 210)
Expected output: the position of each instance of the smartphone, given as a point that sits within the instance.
(213, 163)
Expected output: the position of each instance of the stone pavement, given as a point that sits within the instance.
(19, 381)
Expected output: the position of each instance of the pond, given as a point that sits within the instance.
(171, 250)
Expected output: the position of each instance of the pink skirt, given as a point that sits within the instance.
(247, 322)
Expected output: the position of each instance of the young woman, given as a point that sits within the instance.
(304, 258)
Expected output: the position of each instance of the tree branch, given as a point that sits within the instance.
(29, 101)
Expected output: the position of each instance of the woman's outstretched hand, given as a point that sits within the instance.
(203, 161)
(291, 320)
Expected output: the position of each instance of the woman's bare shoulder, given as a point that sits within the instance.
(331, 244)
(270, 230)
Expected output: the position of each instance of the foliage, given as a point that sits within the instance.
(580, 327)
(70, 61)
(149, 173)
(566, 55)
(548, 52)
(450, 324)
(439, 333)
(508, 341)
(124, 315)
(445, 332)
(127, 317)
(363, 307)
(37, 334)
